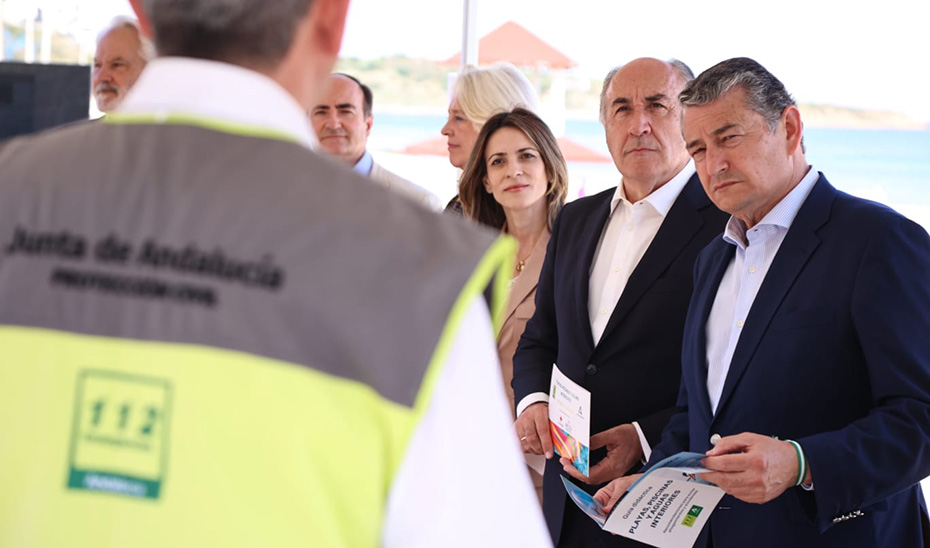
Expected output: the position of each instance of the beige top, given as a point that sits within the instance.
(520, 308)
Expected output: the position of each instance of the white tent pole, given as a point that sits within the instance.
(29, 55)
(45, 39)
(470, 33)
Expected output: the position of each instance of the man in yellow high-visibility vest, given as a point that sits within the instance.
(213, 336)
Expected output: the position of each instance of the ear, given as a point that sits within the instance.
(487, 185)
(368, 122)
(328, 20)
(791, 117)
(313, 52)
(144, 22)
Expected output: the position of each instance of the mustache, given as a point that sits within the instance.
(333, 133)
(103, 86)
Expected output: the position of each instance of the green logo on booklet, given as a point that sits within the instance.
(119, 437)
(693, 513)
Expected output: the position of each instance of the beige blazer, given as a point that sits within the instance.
(403, 186)
(520, 308)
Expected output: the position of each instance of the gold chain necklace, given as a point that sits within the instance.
(521, 263)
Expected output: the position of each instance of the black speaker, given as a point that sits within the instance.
(34, 97)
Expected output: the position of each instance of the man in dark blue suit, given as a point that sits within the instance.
(613, 293)
(806, 358)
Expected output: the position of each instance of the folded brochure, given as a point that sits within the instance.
(570, 420)
(667, 506)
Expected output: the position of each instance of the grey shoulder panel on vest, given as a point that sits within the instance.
(182, 234)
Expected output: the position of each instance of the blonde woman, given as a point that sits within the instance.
(478, 94)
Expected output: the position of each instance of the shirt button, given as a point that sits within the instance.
(629, 228)
(715, 439)
(739, 323)
(604, 311)
(591, 369)
(752, 270)
(616, 269)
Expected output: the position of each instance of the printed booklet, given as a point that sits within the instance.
(667, 507)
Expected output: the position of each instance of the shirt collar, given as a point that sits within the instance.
(179, 85)
(662, 198)
(364, 164)
(782, 215)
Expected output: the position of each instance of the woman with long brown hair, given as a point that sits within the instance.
(516, 181)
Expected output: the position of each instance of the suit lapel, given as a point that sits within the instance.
(681, 224)
(526, 282)
(590, 236)
(694, 347)
(796, 249)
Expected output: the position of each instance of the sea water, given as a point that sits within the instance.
(888, 166)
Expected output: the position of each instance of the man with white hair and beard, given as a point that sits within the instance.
(122, 53)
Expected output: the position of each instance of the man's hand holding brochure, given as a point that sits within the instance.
(667, 506)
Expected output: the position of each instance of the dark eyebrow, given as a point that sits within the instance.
(692, 144)
(657, 97)
(723, 129)
(320, 107)
(343, 106)
(649, 99)
(719, 131)
(524, 149)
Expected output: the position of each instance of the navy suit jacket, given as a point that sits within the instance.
(835, 354)
(634, 372)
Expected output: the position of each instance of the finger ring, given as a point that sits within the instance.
(523, 438)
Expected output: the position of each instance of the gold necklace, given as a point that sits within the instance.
(521, 263)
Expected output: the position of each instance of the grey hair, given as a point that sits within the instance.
(603, 104)
(765, 94)
(251, 33)
(683, 70)
(484, 92)
(146, 47)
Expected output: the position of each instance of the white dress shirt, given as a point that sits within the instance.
(629, 230)
(755, 250)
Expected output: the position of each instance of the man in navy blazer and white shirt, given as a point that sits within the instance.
(613, 293)
(806, 358)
